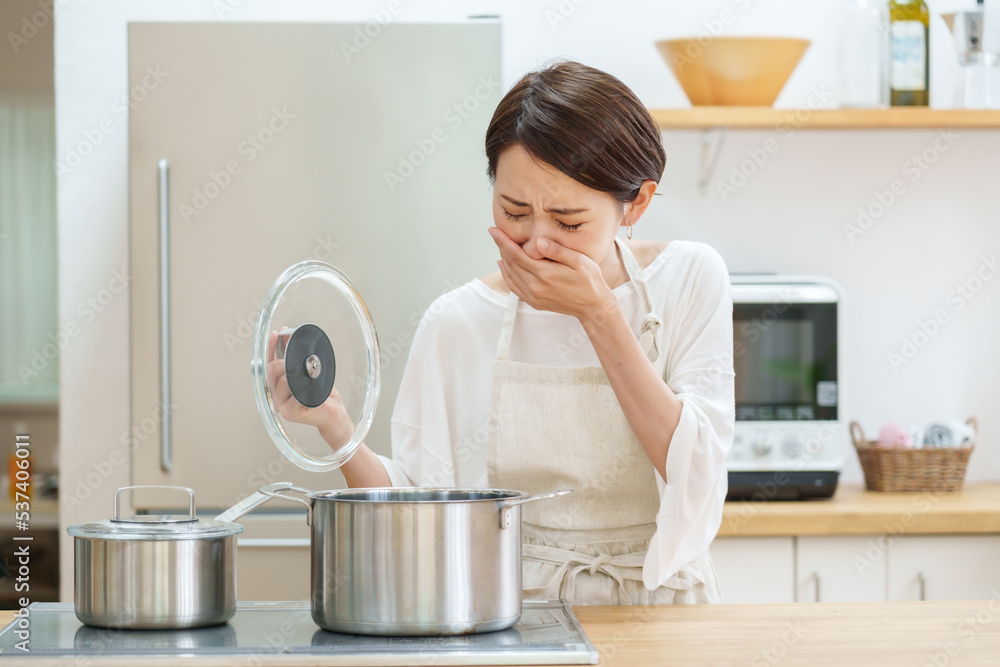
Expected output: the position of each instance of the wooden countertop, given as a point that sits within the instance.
(855, 511)
(880, 634)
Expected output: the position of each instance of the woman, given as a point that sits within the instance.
(585, 362)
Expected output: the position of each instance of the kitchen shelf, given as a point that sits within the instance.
(44, 514)
(753, 118)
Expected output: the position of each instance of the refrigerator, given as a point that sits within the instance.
(254, 146)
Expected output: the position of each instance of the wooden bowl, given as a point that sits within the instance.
(733, 71)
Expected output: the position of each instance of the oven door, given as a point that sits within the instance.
(789, 439)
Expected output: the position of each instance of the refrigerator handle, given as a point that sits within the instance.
(166, 446)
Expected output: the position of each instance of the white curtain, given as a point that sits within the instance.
(29, 334)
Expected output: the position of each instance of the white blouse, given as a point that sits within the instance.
(439, 425)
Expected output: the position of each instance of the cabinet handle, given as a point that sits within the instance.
(296, 542)
(816, 577)
(922, 578)
(166, 444)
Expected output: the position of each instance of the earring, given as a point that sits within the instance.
(628, 232)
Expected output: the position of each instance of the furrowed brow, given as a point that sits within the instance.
(514, 201)
(559, 211)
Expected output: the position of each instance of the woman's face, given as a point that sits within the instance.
(533, 200)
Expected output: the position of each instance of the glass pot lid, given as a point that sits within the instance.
(315, 362)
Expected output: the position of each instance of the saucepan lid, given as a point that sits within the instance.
(315, 353)
(155, 526)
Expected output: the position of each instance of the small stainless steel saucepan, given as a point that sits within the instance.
(159, 571)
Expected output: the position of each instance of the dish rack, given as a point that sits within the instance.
(940, 469)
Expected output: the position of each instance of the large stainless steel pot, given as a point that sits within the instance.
(415, 561)
(159, 571)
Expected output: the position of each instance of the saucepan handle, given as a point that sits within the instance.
(505, 510)
(279, 493)
(251, 502)
(117, 503)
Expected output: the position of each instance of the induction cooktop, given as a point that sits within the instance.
(283, 633)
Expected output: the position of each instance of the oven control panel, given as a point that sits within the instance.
(762, 446)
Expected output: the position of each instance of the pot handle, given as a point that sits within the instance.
(277, 493)
(505, 520)
(118, 493)
(251, 502)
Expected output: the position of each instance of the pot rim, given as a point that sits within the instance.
(417, 495)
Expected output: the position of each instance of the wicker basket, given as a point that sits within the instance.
(940, 469)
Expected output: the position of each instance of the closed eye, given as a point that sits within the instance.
(517, 216)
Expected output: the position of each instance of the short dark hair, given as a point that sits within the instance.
(584, 122)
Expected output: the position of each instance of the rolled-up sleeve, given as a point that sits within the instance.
(700, 373)
(409, 439)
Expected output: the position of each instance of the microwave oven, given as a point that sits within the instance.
(788, 359)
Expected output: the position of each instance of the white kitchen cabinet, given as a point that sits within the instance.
(755, 569)
(944, 567)
(841, 569)
(864, 545)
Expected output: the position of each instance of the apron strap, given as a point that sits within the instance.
(507, 330)
(648, 331)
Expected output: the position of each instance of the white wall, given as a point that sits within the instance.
(789, 216)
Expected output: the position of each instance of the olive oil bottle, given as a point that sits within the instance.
(909, 35)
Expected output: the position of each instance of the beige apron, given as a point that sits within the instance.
(558, 428)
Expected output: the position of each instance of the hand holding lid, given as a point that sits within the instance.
(317, 405)
(301, 384)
